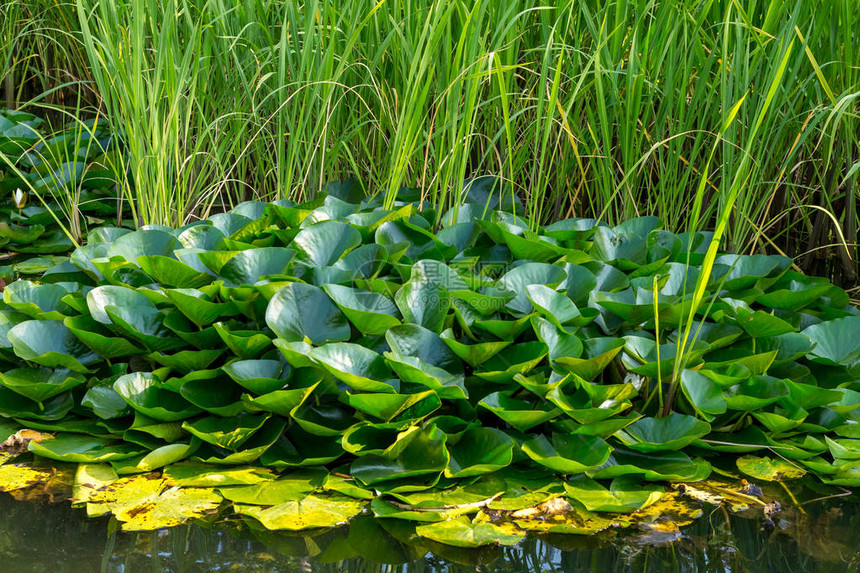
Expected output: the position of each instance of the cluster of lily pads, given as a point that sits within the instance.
(489, 360)
(52, 166)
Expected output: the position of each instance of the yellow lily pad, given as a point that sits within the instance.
(20, 476)
(307, 513)
(769, 469)
(147, 502)
(90, 478)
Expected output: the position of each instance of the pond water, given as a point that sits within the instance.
(58, 539)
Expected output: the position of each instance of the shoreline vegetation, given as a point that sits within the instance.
(486, 267)
(585, 109)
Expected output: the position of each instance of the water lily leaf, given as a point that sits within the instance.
(145, 325)
(624, 244)
(49, 343)
(291, 487)
(259, 376)
(83, 449)
(517, 279)
(202, 236)
(324, 419)
(473, 354)
(383, 440)
(417, 341)
(759, 324)
(189, 474)
(796, 296)
(310, 512)
(324, 243)
(255, 447)
(623, 496)
(371, 313)
(567, 454)
(703, 393)
(144, 503)
(186, 361)
(229, 223)
(395, 407)
(769, 469)
(747, 271)
(462, 532)
(424, 454)
(39, 301)
(40, 384)
(837, 342)
(479, 451)
(105, 403)
(520, 414)
(243, 343)
(597, 354)
(671, 432)
(591, 403)
(102, 341)
(143, 242)
(754, 393)
(412, 369)
(228, 433)
(103, 296)
(14, 405)
(505, 329)
(357, 366)
(144, 393)
(645, 353)
(652, 466)
(299, 448)
(420, 243)
(843, 449)
(553, 305)
(193, 304)
(423, 303)
(157, 458)
(517, 359)
(249, 266)
(300, 312)
(173, 273)
(560, 342)
(209, 391)
(281, 402)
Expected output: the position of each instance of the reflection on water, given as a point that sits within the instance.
(58, 539)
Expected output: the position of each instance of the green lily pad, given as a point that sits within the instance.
(324, 243)
(479, 451)
(83, 449)
(300, 312)
(371, 313)
(144, 393)
(40, 384)
(462, 532)
(227, 433)
(520, 414)
(671, 432)
(623, 496)
(357, 366)
(473, 354)
(259, 376)
(49, 343)
(567, 454)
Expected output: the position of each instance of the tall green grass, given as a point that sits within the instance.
(585, 108)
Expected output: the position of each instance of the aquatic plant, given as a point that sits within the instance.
(491, 364)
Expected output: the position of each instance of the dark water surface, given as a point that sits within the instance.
(57, 539)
